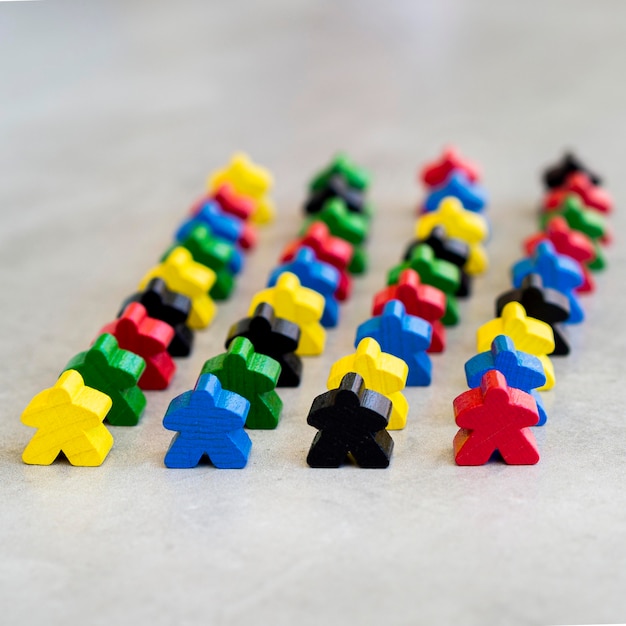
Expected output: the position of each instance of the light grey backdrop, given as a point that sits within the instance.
(111, 116)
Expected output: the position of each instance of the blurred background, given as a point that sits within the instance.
(112, 114)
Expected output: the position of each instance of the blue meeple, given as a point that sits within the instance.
(557, 271)
(210, 421)
(317, 275)
(472, 196)
(521, 370)
(405, 336)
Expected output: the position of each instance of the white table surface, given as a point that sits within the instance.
(111, 116)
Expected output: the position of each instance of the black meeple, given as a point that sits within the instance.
(556, 175)
(336, 187)
(275, 337)
(542, 303)
(351, 421)
(170, 307)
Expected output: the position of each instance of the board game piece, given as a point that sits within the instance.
(351, 420)
(569, 242)
(403, 335)
(472, 196)
(329, 249)
(579, 183)
(460, 224)
(313, 274)
(220, 224)
(521, 370)
(381, 372)
(273, 336)
(337, 187)
(495, 417)
(420, 300)
(347, 225)
(210, 422)
(254, 376)
(299, 305)
(250, 180)
(68, 417)
(355, 177)
(548, 305)
(435, 173)
(433, 271)
(557, 271)
(211, 249)
(148, 338)
(216, 254)
(114, 372)
(455, 251)
(528, 334)
(170, 307)
(231, 212)
(233, 203)
(182, 274)
(584, 220)
(556, 175)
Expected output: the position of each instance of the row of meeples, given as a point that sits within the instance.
(236, 390)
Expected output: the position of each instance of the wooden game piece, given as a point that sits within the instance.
(68, 417)
(217, 254)
(114, 372)
(182, 274)
(433, 271)
(170, 307)
(299, 305)
(209, 421)
(557, 272)
(435, 173)
(355, 177)
(528, 334)
(569, 242)
(148, 338)
(211, 249)
(347, 225)
(275, 337)
(420, 300)
(250, 180)
(495, 417)
(337, 187)
(556, 175)
(316, 275)
(381, 372)
(460, 224)
(233, 203)
(350, 420)
(455, 251)
(588, 222)
(220, 224)
(521, 371)
(254, 376)
(578, 183)
(329, 249)
(472, 196)
(404, 336)
(547, 305)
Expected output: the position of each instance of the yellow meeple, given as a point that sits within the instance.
(381, 372)
(68, 417)
(182, 274)
(460, 224)
(250, 180)
(299, 305)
